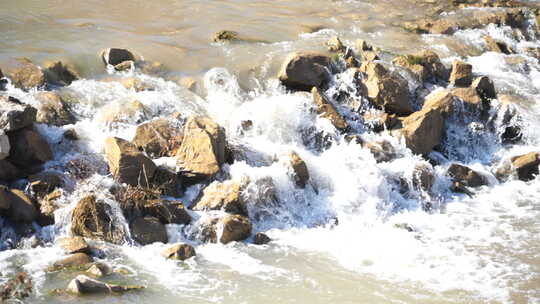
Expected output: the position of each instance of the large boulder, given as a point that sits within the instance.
(180, 252)
(387, 90)
(157, 138)
(75, 244)
(327, 110)
(93, 218)
(116, 56)
(167, 212)
(461, 75)
(423, 130)
(299, 170)
(147, 230)
(526, 165)
(303, 71)
(203, 148)
(127, 164)
(4, 145)
(15, 115)
(28, 149)
(53, 110)
(59, 73)
(466, 176)
(83, 285)
(24, 74)
(226, 196)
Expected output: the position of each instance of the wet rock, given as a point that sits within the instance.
(441, 101)
(412, 63)
(71, 134)
(157, 138)
(4, 145)
(83, 285)
(484, 87)
(15, 115)
(426, 65)
(303, 71)
(362, 45)
(28, 149)
(226, 196)
(53, 110)
(496, 46)
(423, 130)
(8, 172)
(203, 148)
(382, 151)
(114, 56)
(235, 228)
(147, 230)
(21, 207)
(369, 56)
(60, 73)
(261, 239)
(300, 170)
(93, 219)
(223, 36)
(167, 212)
(136, 84)
(471, 99)
(461, 75)
(189, 83)
(24, 74)
(167, 182)
(379, 121)
(73, 261)
(180, 252)
(127, 164)
(99, 270)
(466, 176)
(132, 111)
(335, 45)
(45, 182)
(47, 207)
(75, 244)
(125, 66)
(423, 177)
(387, 90)
(526, 165)
(327, 110)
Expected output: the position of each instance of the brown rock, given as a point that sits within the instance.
(335, 44)
(388, 90)
(93, 219)
(147, 230)
(53, 110)
(132, 111)
(127, 164)
(261, 239)
(484, 87)
(466, 176)
(423, 177)
(83, 285)
(125, 66)
(99, 270)
(382, 151)
(300, 170)
(60, 74)
(235, 228)
(362, 45)
(47, 207)
(526, 165)
(73, 261)
(4, 145)
(167, 212)
(157, 138)
(21, 208)
(426, 65)
(226, 196)
(75, 244)
(24, 74)
(471, 99)
(441, 101)
(461, 75)
(327, 110)
(179, 252)
(203, 148)
(8, 172)
(133, 83)
(496, 46)
(167, 182)
(28, 149)
(369, 56)
(15, 115)
(45, 182)
(303, 71)
(423, 130)
(409, 62)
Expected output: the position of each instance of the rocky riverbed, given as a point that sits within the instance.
(348, 165)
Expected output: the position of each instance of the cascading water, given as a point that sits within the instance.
(361, 230)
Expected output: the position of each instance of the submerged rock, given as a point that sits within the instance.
(226, 196)
(180, 252)
(327, 110)
(147, 230)
(127, 164)
(93, 219)
(74, 261)
(83, 285)
(203, 148)
(466, 176)
(303, 71)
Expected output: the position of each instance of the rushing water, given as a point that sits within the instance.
(484, 249)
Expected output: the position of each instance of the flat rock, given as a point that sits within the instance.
(75, 244)
(226, 196)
